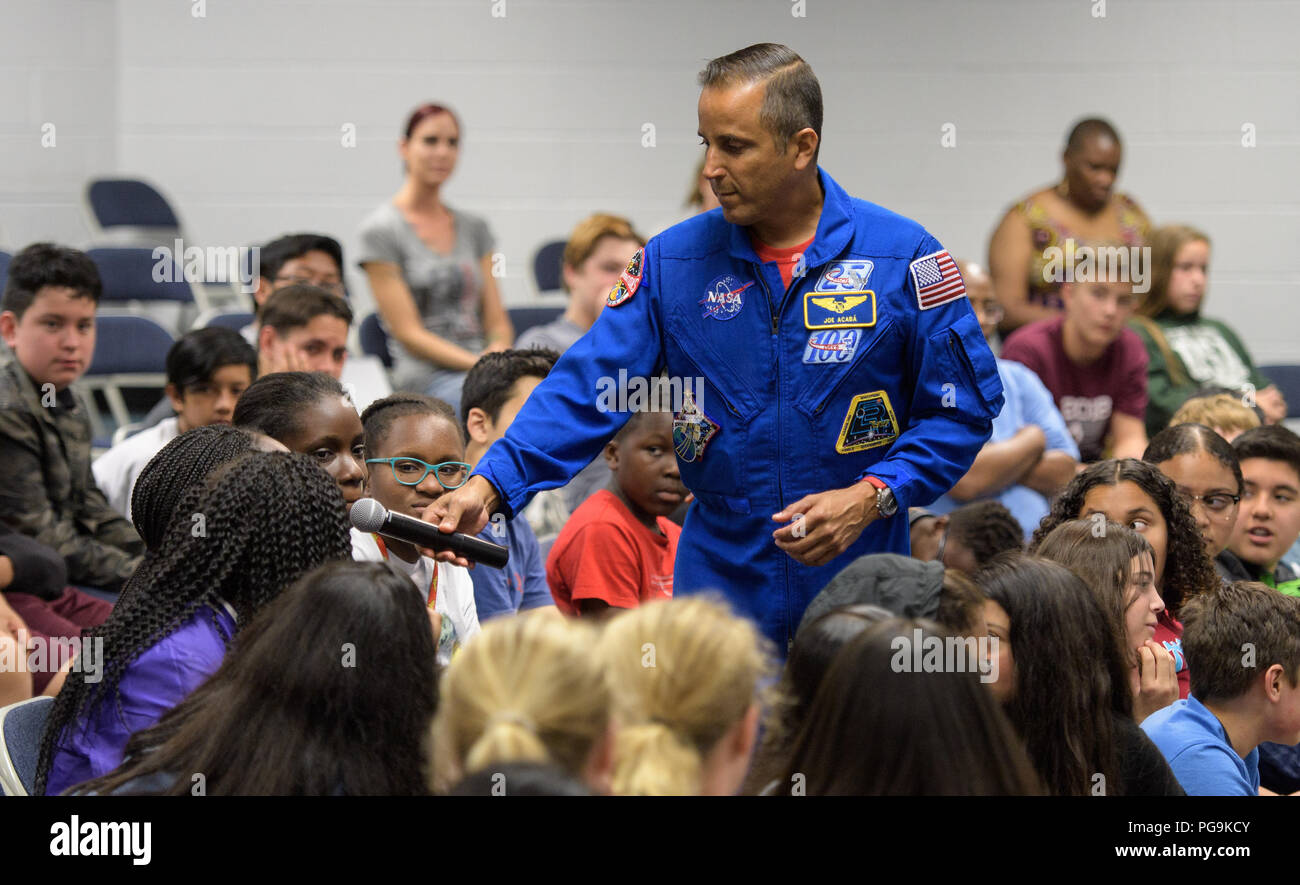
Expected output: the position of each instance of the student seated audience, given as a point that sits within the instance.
(930, 733)
(1031, 455)
(36, 604)
(1187, 351)
(303, 329)
(297, 260)
(207, 371)
(977, 533)
(687, 724)
(527, 690)
(1116, 564)
(597, 251)
(47, 491)
(1083, 208)
(1208, 476)
(494, 392)
(285, 716)
(226, 553)
(1064, 684)
(618, 549)
(1137, 495)
(1212, 738)
(907, 588)
(310, 413)
(815, 645)
(1094, 366)
(415, 452)
(1269, 521)
(1223, 413)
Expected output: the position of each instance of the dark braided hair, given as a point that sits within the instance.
(273, 404)
(184, 461)
(267, 519)
(379, 416)
(1188, 571)
(281, 717)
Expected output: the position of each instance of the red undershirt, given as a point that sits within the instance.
(785, 258)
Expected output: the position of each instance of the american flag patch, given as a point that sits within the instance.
(937, 280)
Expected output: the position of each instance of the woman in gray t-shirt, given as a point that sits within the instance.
(430, 268)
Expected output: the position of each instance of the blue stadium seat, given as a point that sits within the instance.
(546, 266)
(130, 352)
(374, 340)
(129, 202)
(128, 275)
(5, 257)
(21, 727)
(1287, 379)
(235, 319)
(524, 318)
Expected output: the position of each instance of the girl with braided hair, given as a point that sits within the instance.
(225, 554)
(281, 717)
(310, 413)
(1138, 495)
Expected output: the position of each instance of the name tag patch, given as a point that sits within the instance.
(856, 310)
(870, 422)
(831, 346)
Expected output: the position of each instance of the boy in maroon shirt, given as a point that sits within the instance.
(618, 548)
(1094, 365)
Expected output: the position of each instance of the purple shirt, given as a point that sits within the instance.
(1086, 395)
(153, 683)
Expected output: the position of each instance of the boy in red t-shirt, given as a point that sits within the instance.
(617, 549)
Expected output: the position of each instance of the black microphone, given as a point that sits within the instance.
(369, 515)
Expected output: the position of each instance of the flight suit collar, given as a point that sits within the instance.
(834, 228)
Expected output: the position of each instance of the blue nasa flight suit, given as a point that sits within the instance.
(806, 390)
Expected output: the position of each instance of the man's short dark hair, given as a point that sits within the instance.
(987, 528)
(488, 384)
(1224, 625)
(1272, 442)
(295, 306)
(279, 252)
(199, 353)
(792, 100)
(1086, 130)
(45, 264)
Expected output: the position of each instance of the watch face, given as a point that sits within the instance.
(885, 502)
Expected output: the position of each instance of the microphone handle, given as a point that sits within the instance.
(423, 534)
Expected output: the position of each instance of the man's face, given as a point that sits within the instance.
(55, 339)
(1268, 520)
(321, 345)
(590, 282)
(211, 401)
(315, 268)
(979, 289)
(748, 171)
(1098, 311)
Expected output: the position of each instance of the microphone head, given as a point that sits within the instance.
(368, 515)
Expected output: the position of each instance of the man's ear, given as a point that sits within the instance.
(177, 398)
(262, 292)
(805, 141)
(479, 425)
(611, 454)
(267, 338)
(9, 327)
(941, 523)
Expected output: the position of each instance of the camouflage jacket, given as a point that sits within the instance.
(47, 490)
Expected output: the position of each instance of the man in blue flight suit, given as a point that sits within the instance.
(845, 376)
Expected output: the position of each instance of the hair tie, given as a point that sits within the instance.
(511, 716)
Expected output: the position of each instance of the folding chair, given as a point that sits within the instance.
(21, 727)
(130, 352)
(134, 280)
(546, 266)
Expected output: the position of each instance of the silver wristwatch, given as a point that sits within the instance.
(885, 502)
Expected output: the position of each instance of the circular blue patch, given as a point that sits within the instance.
(724, 297)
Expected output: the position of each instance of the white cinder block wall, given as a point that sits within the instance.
(238, 115)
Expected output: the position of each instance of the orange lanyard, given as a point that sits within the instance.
(432, 595)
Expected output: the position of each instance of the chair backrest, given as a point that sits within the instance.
(129, 202)
(21, 727)
(133, 274)
(5, 257)
(546, 266)
(1287, 379)
(374, 340)
(524, 318)
(129, 345)
(233, 319)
